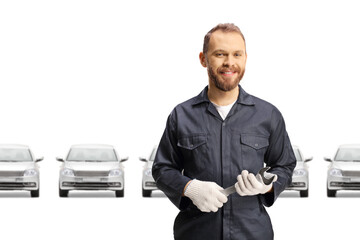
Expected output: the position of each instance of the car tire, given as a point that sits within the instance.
(146, 193)
(331, 193)
(119, 193)
(63, 193)
(35, 193)
(304, 193)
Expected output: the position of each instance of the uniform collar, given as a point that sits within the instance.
(243, 98)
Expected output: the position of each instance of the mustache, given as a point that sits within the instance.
(229, 69)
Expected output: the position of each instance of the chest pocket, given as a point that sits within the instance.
(253, 149)
(195, 154)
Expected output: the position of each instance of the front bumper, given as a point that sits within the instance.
(19, 183)
(343, 183)
(299, 183)
(91, 183)
(148, 183)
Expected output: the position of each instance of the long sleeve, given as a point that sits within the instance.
(168, 165)
(280, 157)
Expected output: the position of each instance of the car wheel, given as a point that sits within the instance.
(304, 193)
(63, 193)
(331, 193)
(119, 193)
(35, 193)
(146, 193)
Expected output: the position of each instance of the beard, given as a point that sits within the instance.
(225, 85)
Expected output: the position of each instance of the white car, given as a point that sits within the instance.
(19, 169)
(148, 182)
(344, 171)
(91, 167)
(300, 178)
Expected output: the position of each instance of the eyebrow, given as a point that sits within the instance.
(221, 50)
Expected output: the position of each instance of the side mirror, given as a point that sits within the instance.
(59, 159)
(328, 159)
(39, 159)
(143, 159)
(308, 159)
(124, 159)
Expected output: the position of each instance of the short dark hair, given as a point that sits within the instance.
(225, 27)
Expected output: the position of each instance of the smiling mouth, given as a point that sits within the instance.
(227, 73)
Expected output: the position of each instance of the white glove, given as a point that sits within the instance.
(249, 185)
(206, 196)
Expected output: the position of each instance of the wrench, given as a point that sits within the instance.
(266, 177)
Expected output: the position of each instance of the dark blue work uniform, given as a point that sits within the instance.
(198, 143)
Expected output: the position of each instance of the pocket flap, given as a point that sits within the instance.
(192, 142)
(256, 142)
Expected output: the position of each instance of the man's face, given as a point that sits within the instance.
(225, 60)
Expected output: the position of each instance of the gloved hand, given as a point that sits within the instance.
(206, 196)
(249, 185)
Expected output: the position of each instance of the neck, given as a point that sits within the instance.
(220, 97)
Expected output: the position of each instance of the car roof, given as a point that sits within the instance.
(350, 146)
(19, 146)
(92, 146)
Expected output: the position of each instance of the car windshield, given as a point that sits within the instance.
(91, 155)
(152, 156)
(15, 155)
(297, 155)
(348, 155)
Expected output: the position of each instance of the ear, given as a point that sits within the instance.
(202, 59)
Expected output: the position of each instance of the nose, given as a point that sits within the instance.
(229, 61)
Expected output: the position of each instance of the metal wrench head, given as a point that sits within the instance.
(266, 179)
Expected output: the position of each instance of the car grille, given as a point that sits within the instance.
(351, 173)
(16, 184)
(297, 184)
(150, 184)
(91, 184)
(11, 173)
(345, 184)
(91, 173)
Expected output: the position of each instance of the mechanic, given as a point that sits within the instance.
(219, 138)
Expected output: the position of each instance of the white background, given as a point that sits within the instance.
(111, 71)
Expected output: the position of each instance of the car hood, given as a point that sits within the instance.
(347, 166)
(149, 164)
(300, 165)
(95, 166)
(16, 166)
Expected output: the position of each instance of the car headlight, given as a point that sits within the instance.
(299, 172)
(30, 172)
(148, 172)
(335, 172)
(68, 172)
(115, 173)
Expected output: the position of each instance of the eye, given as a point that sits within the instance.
(219, 54)
(238, 54)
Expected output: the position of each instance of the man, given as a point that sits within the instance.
(221, 137)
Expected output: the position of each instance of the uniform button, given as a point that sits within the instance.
(256, 145)
(191, 145)
(223, 124)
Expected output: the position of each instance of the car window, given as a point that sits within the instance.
(348, 154)
(297, 155)
(91, 155)
(153, 154)
(15, 155)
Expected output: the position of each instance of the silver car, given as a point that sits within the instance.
(148, 182)
(19, 169)
(300, 178)
(344, 171)
(91, 167)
